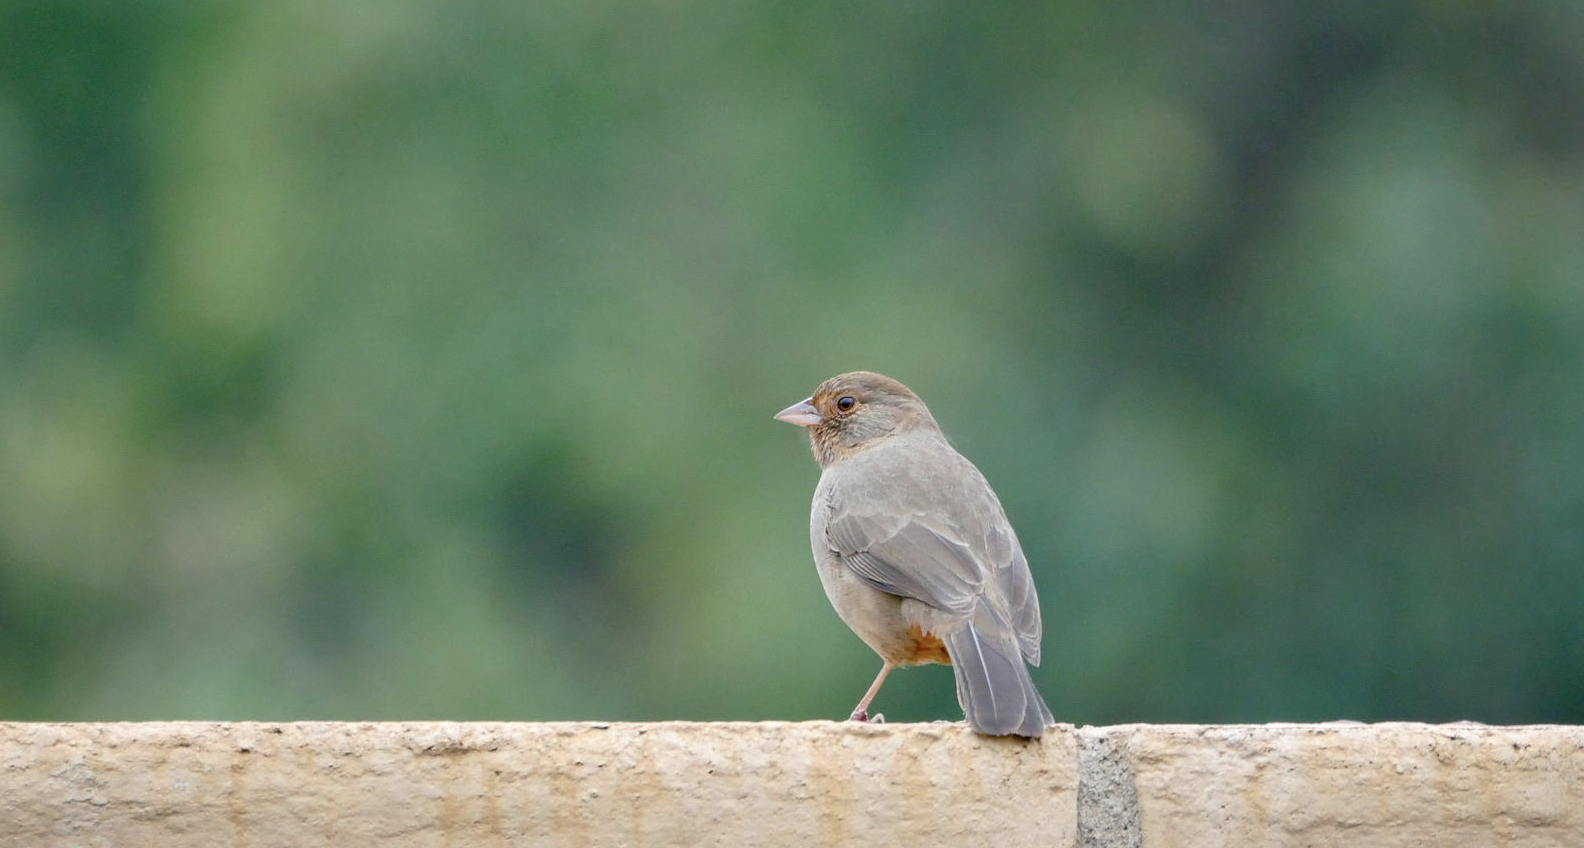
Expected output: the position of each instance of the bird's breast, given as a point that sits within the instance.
(874, 616)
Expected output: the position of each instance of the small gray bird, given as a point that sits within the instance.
(916, 553)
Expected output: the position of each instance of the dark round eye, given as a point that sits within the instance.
(846, 402)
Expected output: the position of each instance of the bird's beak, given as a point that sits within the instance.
(801, 413)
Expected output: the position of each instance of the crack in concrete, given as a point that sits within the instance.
(1108, 802)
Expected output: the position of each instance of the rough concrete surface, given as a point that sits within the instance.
(1457, 785)
(575, 784)
(1108, 803)
(809, 784)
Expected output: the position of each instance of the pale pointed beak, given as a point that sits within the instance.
(801, 413)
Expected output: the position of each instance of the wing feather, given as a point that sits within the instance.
(938, 536)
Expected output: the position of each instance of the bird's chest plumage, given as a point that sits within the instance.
(877, 617)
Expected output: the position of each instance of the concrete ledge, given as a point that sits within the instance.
(1344, 783)
(777, 783)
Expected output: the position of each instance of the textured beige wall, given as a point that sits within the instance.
(803, 784)
(574, 784)
(1356, 785)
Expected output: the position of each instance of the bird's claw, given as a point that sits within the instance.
(862, 715)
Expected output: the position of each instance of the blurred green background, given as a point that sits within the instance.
(377, 360)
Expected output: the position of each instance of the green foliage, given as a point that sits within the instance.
(369, 360)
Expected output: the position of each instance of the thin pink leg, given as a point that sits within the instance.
(861, 712)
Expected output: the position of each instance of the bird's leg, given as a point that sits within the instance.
(861, 712)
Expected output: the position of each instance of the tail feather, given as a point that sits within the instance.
(994, 686)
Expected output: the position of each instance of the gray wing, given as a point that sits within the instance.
(927, 526)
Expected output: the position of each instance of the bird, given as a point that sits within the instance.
(916, 553)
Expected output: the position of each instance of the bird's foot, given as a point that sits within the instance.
(863, 715)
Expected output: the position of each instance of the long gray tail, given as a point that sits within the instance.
(993, 685)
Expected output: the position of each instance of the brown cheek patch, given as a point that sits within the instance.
(926, 648)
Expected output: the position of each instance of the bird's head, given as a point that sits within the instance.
(849, 412)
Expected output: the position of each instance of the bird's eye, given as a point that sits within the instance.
(846, 402)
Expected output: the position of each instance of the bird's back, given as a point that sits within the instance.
(918, 499)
